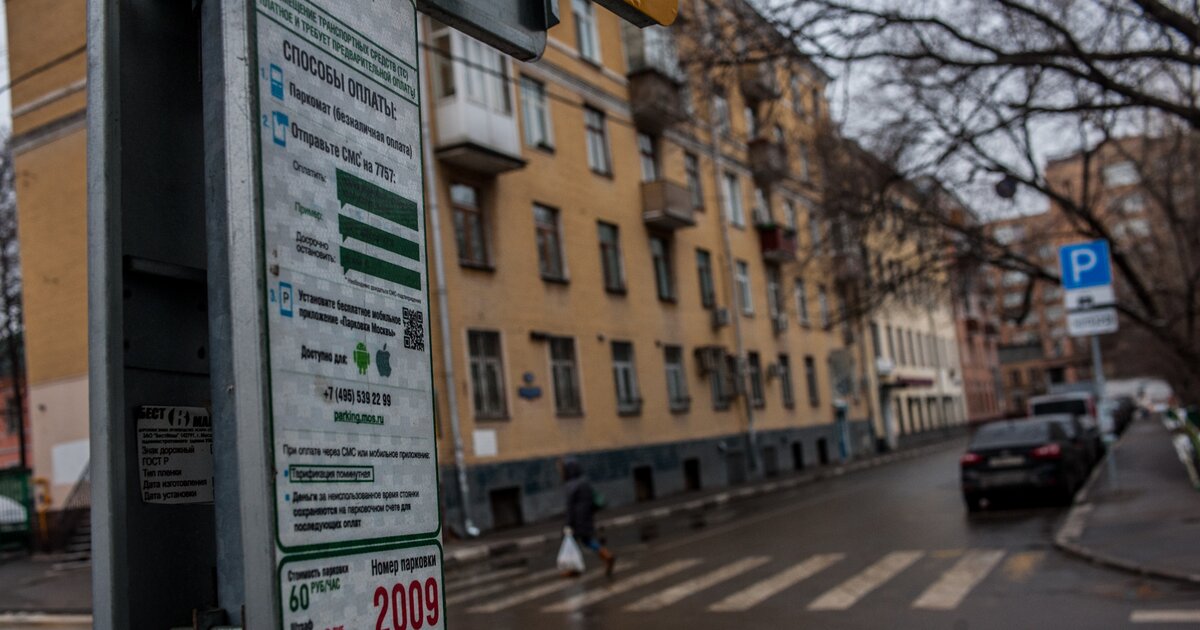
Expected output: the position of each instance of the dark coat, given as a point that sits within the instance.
(581, 504)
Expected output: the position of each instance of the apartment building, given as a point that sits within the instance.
(621, 237)
(46, 40)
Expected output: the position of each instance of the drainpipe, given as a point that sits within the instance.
(439, 265)
(735, 314)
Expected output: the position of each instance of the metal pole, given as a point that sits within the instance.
(1097, 368)
(439, 266)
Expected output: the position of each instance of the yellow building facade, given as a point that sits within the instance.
(49, 143)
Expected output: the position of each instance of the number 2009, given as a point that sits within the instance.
(412, 605)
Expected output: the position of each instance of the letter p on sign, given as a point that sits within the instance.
(1085, 265)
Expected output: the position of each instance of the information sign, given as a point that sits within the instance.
(175, 460)
(350, 379)
(1087, 288)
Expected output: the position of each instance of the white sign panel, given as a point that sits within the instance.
(1100, 321)
(1090, 297)
(175, 459)
(396, 588)
(351, 391)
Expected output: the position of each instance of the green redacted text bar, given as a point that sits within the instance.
(361, 193)
(355, 229)
(379, 268)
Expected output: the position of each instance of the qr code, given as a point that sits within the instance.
(414, 329)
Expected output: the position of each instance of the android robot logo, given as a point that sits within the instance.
(362, 358)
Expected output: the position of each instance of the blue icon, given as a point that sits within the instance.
(285, 299)
(280, 127)
(277, 82)
(1085, 265)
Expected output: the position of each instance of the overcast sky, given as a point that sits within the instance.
(5, 102)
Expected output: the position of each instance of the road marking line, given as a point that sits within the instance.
(1165, 616)
(954, 585)
(458, 598)
(484, 578)
(1020, 566)
(581, 600)
(665, 598)
(1073, 528)
(849, 592)
(560, 584)
(760, 592)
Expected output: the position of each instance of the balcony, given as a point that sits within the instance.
(768, 161)
(848, 267)
(778, 243)
(666, 206)
(758, 81)
(476, 126)
(657, 98)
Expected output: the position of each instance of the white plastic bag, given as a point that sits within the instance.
(570, 558)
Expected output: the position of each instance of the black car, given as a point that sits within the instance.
(1044, 454)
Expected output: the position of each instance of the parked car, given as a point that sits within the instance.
(1081, 404)
(1018, 458)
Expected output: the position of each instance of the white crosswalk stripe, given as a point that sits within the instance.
(760, 592)
(1165, 616)
(954, 585)
(483, 578)
(582, 600)
(674, 594)
(561, 584)
(454, 597)
(849, 592)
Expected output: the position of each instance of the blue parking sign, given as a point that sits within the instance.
(1085, 265)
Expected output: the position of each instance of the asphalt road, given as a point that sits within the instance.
(890, 547)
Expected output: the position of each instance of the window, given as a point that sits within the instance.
(810, 376)
(535, 114)
(648, 151)
(625, 376)
(757, 395)
(816, 103)
(720, 378)
(487, 374)
(789, 214)
(751, 122)
(485, 72)
(468, 225)
(733, 200)
(660, 255)
(801, 301)
(774, 293)
(677, 392)
(1012, 300)
(823, 306)
(785, 381)
(1013, 278)
(564, 373)
(610, 258)
(814, 231)
(1120, 174)
(805, 172)
(704, 271)
(912, 349)
(891, 345)
(443, 68)
(798, 96)
(745, 295)
(721, 113)
(549, 243)
(762, 208)
(586, 37)
(597, 141)
(691, 166)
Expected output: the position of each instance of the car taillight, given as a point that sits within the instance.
(970, 459)
(1049, 451)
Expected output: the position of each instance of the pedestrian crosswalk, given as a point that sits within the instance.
(822, 583)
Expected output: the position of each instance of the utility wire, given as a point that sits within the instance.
(42, 68)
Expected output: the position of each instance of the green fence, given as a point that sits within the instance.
(16, 509)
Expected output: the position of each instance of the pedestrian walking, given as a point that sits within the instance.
(582, 503)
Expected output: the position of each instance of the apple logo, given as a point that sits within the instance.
(383, 362)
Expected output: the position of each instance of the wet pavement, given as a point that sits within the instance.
(890, 547)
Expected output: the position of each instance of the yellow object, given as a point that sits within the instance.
(644, 12)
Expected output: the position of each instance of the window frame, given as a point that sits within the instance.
(691, 168)
(463, 213)
(548, 236)
(478, 365)
(744, 287)
(535, 114)
(610, 253)
(599, 153)
(648, 158)
(633, 404)
(706, 278)
(758, 390)
(787, 390)
(678, 398)
(563, 409)
(812, 381)
(735, 211)
(800, 288)
(664, 270)
(587, 33)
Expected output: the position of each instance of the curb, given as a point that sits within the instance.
(480, 553)
(1068, 534)
(27, 619)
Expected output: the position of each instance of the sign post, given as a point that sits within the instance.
(1089, 297)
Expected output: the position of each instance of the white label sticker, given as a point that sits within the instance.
(347, 311)
(175, 454)
(386, 588)
(1100, 321)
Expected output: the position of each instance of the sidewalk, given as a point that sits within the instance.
(549, 533)
(38, 584)
(1145, 518)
